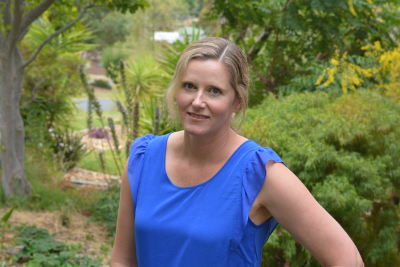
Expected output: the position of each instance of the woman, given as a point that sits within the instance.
(206, 196)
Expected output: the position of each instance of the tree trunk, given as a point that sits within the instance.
(12, 129)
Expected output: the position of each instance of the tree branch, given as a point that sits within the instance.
(26, 63)
(271, 71)
(262, 79)
(34, 13)
(22, 35)
(271, 78)
(34, 93)
(17, 18)
(244, 33)
(295, 53)
(261, 38)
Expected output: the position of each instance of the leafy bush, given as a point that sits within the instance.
(346, 151)
(67, 148)
(110, 56)
(101, 83)
(105, 210)
(40, 249)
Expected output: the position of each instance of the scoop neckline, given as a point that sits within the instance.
(201, 184)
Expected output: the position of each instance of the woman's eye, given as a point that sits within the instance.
(215, 91)
(188, 86)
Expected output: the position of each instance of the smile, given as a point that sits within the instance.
(198, 116)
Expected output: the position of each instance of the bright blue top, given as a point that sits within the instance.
(203, 225)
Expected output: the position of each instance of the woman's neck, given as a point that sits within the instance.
(203, 149)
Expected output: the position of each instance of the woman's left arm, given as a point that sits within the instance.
(293, 206)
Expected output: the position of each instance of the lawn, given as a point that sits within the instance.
(90, 162)
(79, 122)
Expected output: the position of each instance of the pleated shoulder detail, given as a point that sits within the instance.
(135, 164)
(252, 181)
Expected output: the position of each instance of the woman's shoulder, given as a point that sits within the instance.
(264, 154)
(140, 144)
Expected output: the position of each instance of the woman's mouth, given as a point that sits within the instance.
(197, 116)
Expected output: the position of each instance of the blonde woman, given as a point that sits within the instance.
(207, 196)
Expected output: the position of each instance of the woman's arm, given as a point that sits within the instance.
(124, 251)
(293, 206)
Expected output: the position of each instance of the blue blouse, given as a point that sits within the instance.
(203, 225)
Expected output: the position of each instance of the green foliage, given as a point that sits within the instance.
(101, 83)
(109, 28)
(105, 210)
(110, 57)
(71, 41)
(67, 148)
(4, 221)
(172, 52)
(51, 80)
(346, 151)
(286, 40)
(40, 249)
(144, 76)
(49, 193)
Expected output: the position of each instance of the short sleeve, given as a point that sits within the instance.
(135, 164)
(253, 180)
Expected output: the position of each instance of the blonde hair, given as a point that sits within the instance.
(229, 54)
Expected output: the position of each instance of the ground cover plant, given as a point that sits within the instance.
(40, 249)
(346, 151)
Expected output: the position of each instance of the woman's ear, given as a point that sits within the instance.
(237, 104)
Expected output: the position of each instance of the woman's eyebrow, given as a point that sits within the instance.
(187, 81)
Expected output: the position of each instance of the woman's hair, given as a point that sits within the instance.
(229, 54)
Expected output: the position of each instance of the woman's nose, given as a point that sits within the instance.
(198, 101)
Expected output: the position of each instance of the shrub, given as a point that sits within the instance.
(101, 83)
(40, 249)
(105, 210)
(67, 148)
(347, 152)
(110, 56)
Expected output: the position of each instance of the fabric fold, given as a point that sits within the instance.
(252, 181)
(135, 165)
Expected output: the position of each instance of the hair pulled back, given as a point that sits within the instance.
(214, 48)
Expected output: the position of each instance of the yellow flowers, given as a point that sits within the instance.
(351, 8)
(385, 69)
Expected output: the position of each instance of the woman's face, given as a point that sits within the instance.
(206, 99)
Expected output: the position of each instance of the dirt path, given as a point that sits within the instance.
(91, 235)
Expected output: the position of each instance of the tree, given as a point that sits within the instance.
(282, 39)
(16, 18)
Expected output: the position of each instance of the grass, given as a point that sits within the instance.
(90, 162)
(99, 93)
(48, 191)
(79, 121)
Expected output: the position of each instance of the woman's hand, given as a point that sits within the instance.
(124, 251)
(293, 206)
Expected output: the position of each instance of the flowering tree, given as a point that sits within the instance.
(379, 68)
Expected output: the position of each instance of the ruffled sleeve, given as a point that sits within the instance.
(252, 182)
(135, 164)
